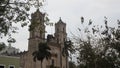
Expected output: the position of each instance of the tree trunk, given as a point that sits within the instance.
(35, 64)
(66, 62)
(41, 64)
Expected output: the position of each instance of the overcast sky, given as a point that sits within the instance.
(70, 11)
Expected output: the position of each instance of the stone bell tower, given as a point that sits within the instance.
(37, 30)
(37, 35)
(60, 37)
(60, 32)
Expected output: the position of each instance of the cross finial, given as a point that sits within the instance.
(60, 17)
(38, 10)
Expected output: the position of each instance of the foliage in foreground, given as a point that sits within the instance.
(13, 12)
(100, 48)
(42, 53)
(2, 46)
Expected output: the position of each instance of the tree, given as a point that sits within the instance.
(72, 64)
(16, 11)
(42, 53)
(87, 55)
(68, 48)
(2, 46)
(81, 66)
(100, 46)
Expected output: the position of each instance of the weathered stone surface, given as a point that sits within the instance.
(55, 43)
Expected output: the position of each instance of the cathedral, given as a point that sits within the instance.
(56, 43)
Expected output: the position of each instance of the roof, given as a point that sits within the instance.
(60, 21)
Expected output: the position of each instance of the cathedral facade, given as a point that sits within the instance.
(56, 43)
